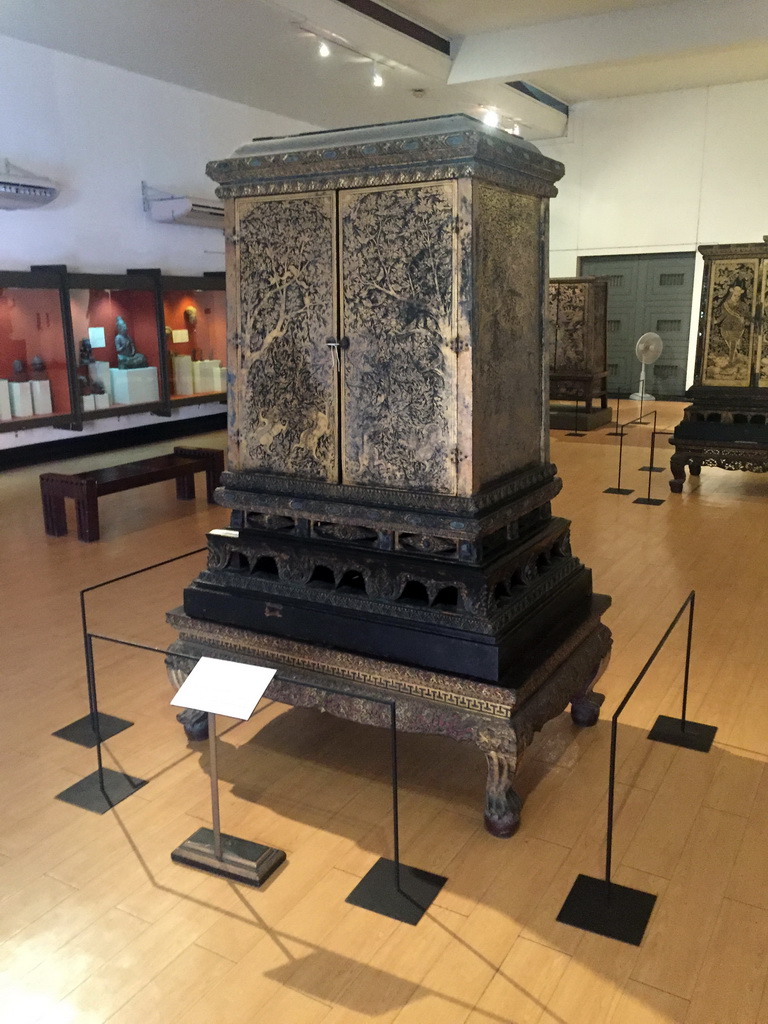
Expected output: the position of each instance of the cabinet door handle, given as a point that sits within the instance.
(333, 345)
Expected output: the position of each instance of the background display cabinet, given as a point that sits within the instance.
(578, 364)
(117, 325)
(195, 317)
(389, 477)
(727, 423)
(36, 360)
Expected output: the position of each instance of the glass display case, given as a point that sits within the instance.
(116, 325)
(36, 357)
(195, 326)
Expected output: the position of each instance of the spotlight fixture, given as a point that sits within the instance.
(324, 49)
(377, 79)
(491, 117)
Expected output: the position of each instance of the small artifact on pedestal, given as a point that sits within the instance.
(727, 423)
(127, 356)
(391, 534)
(19, 374)
(37, 368)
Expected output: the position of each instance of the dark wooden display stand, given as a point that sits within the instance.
(561, 669)
(727, 423)
(86, 488)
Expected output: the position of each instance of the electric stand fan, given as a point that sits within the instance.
(648, 349)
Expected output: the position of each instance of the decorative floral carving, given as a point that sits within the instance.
(345, 531)
(429, 545)
(286, 384)
(399, 382)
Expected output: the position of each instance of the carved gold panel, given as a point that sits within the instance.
(398, 277)
(729, 339)
(284, 413)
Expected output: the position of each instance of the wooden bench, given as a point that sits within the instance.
(86, 488)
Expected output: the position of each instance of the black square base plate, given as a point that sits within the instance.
(377, 891)
(575, 433)
(88, 793)
(618, 490)
(241, 860)
(695, 736)
(82, 732)
(648, 501)
(651, 469)
(608, 909)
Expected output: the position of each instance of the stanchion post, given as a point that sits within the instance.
(575, 432)
(618, 489)
(619, 430)
(651, 470)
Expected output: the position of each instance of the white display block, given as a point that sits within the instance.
(221, 379)
(88, 403)
(21, 398)
(131, 387)
(224, 687)
(5, 401)
(99, 371)
(183, 383)
(205, 375)
(41, 397)
(101, 401)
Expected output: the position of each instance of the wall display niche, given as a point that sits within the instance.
(116, 324)
(195, 317)
(578, 363)
(388, 466)
(35, 357)
(727, 423)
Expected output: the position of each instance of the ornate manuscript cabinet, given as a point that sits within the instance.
(578, 363)
(727, 423)
(389, 474)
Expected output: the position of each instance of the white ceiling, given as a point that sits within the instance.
(264, 52)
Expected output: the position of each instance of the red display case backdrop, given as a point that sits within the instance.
(30, 325)
(97, 307)
(203, 315)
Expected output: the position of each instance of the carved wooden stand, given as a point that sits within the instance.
(500, 721)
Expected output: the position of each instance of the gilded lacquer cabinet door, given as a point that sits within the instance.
(571, 327)
(729, 337)
(285, 403)
(399, 312)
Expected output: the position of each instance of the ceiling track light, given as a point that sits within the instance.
(324, 49)
(491, 117)
(376, 79)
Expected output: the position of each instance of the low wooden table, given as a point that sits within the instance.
(86, 488)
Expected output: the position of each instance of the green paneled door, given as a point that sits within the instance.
(650, 292)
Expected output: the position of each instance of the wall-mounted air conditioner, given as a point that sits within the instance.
(20, 189)
(170, 208)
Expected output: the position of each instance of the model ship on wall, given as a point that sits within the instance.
(388, 472)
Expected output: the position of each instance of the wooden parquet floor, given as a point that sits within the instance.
(97, 924)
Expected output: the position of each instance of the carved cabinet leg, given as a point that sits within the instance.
(502, 804)
(585, 706)
(677, 464)
(694, 468)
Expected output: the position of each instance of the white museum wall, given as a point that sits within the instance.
(99, 131)
(663, 172)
